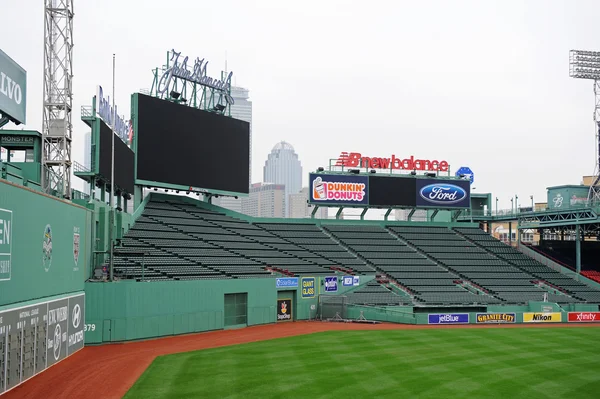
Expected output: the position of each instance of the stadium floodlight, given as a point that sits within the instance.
(586, 65)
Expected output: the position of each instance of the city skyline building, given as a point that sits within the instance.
(265, 200)
(299, 207)
(284, 167)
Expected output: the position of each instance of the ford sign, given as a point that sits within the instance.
(442, 194)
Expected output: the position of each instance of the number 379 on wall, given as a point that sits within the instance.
(89, 327)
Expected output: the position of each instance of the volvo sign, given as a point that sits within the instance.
(13, 90)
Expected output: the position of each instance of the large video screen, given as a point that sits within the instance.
(181, 145)
(392, 191)
(124, 160)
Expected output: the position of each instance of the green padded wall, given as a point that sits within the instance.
(129, 310)
(27, 271)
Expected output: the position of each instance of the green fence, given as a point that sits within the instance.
(44, 248)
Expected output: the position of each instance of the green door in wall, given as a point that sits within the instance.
(236, 310)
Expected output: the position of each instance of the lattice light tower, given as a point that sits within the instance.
(58, 97)
(586, 65)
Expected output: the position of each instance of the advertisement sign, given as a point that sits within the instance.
(441, 194)
(197, 74)
(356, 159)
(350, 281)
(450, 318)
(584, 317)
(105, 111)
(555, 317)
(286, 282)
(495, 318)
(45, 334)
(356, 280)
(284, 309)
(308, 287)
(331, 284)
(13, 89)
(5, 243)
(338, 189)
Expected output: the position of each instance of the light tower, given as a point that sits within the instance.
(586, 65)
(58, 97)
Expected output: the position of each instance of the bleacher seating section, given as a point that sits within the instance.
(174, 239)
(564, 252)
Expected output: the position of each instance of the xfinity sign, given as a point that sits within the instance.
(13, 90)
(105, 112)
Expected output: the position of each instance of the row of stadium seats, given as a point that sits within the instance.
(173, 239)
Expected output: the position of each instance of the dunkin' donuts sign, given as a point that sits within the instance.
(339, 189)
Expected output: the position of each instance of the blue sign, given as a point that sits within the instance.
(442, 194)
(467, 173)
(286, 282)
(449, 318)
(351, 281)
(335, 190)
(331, 284)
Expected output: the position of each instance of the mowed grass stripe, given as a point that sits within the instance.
(466, 363)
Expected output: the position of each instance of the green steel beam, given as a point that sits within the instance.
(578, 249)
(339, 213)
(362, 215)
(387, 214)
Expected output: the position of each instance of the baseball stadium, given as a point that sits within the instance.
(144, 288)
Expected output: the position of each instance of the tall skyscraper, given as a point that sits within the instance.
(284, 167)
(265, 200)
(241, 109)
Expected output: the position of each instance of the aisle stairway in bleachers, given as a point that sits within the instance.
(473, 263)
(429, 282)
(309, 241)
(574, 291)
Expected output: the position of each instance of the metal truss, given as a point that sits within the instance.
(565, 218)
(57, 127)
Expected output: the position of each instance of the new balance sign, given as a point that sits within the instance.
(356, 159)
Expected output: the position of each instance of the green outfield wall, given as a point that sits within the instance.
(44, 247)
(130, 310)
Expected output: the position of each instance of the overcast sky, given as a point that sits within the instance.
(483, 84)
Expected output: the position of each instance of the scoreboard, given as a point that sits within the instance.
(34, 337)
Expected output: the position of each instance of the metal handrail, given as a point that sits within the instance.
(87, 111)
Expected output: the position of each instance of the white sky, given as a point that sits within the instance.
(483, 84)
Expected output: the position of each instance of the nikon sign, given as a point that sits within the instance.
(13, 89)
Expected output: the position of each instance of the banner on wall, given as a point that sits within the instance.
(555, 317)
(495, 318)
(448, 318)
(308, 287)
(284, 309)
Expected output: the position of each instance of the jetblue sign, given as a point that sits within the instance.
(179, 69)
(105, 112)
(286, 282)
(440, 194)
(451, 318)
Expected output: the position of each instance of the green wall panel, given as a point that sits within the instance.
(137, 310)
(29, 213)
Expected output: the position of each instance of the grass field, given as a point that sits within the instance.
(432, 363)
